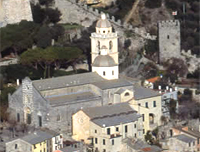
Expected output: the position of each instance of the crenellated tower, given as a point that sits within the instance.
(169, 39)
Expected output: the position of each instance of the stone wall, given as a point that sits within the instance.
(169, 39)
(14, 11)
(77, 12)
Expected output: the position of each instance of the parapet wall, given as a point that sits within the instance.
(73, 11)
(169, 23)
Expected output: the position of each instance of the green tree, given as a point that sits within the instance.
(18, 37)
(51, 57)
(46, 2)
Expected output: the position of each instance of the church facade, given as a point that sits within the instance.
(52, 102)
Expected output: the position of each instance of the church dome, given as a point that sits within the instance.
(104, 61)
(103, 22)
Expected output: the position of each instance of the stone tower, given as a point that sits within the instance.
(169, 39)
(104, 50)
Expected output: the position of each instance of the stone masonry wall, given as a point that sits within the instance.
(169, 39)
(14, 11)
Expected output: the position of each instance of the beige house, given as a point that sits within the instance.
(148, 104)
(105, 127)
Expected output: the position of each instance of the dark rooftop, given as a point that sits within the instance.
(67, 81)
(107, 84)
(142, 93)
(74, 97)
(185, 138)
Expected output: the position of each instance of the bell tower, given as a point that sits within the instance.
(104, 37)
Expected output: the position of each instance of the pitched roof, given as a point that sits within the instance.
(107, 84)
(108, 110)
(142, 93)
(67, 81)
(37, 137)
(154, 79)
(185, 138)
(117, 119)
(112, 115)
(69, 98)
(140, 145)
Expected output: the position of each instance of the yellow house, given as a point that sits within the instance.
(105, 127)
(38, 141)
(148, 104)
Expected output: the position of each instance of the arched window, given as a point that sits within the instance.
(104, 73)
(127, 94)
(110, 45)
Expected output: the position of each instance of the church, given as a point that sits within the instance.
(52, 102)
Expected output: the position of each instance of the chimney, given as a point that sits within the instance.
(170, 89)
(167, 87)
(159, 87)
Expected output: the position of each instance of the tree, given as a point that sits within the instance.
(46, 2)
(52, 15)
(175, 68)
(153, 3)
(18, 37)
(38, 13)
(51, 57)
(148, 137)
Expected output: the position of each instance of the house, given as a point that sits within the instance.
(105, 127)
(135, 145)
(38, 141)
(182, 138)
(147, 102)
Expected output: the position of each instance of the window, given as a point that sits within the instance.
(126, 129)
(113, 142)
(135, 126)
(34, 146)
(112, 72)
(95, 131)
(18, 117)
(104, 142)
(40, 121)
(167, 36)
(127, 94)
(104, 73)
(44, 150)
(98, 44)
(143, 117)
(189, 144)
(154, 103)
(108, 131)
(58, 117)
(15, 146)
(146, 105)
(135, 135)
(28, 118)
(117, 128)
(104, 150)
(193, 143)
(143, 131)
(96, 140)
(110, 45)
(104, 31)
